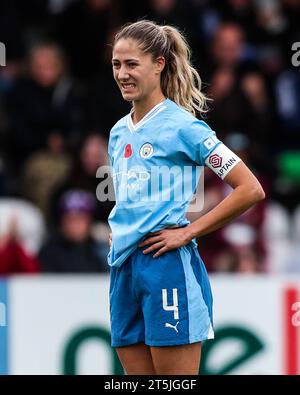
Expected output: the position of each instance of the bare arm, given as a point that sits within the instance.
(246, 192)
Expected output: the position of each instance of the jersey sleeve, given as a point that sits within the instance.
(203, 147)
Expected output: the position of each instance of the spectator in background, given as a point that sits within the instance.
(227, 48)
(44, 171)
(46, 100)
(92, 155)
(73, 250)
(225, 65)
(261, 153)
(254, 87)
(231, 108)
(242, 12)
(177, 13)
(82, 30)
(14, 257)
(102, 92)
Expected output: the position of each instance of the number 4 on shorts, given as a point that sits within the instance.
(174, 306)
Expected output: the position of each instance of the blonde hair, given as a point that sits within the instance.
(180, 82)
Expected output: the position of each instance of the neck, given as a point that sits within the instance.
(142, 107)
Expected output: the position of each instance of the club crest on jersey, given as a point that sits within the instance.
(127, 151)
(215, 160)
(146, 150)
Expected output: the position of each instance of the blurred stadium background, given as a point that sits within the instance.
(58, 102)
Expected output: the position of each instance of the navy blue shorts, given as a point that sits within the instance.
(164, 301)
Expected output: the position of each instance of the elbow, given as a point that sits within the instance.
(257, 194)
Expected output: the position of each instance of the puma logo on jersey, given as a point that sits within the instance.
(167, 325)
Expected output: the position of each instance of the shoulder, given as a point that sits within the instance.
(187, 125)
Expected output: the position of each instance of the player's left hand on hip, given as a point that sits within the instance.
(165, 240)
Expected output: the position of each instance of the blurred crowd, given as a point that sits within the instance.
(58, 102)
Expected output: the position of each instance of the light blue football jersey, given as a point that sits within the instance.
(156, 165)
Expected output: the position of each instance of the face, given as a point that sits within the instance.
(228, 45)
(135, 72)
(46, 66)
(76, 226)
(93, 154)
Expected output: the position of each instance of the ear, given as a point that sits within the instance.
(160, 64)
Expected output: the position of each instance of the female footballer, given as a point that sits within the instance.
(160, 296)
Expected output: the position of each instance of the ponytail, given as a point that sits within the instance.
(180, 82)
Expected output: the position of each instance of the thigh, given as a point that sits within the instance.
(136, 359)
(177, 360)
(176, 311)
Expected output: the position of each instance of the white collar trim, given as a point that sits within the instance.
(150, 114)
